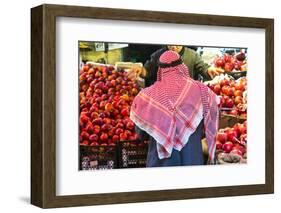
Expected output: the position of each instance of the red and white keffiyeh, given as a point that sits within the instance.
(172, 108)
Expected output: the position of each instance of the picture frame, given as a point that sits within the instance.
(43, 105)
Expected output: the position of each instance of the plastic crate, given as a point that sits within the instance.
(132, 154)
(98, 157)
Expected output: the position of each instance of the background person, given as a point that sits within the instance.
(191, 58)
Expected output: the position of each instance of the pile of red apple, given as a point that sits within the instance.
(233, 140)
(231, 63)
(231, 93)
(105, 99)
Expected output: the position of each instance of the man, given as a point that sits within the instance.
(173, 112)
(193, 61)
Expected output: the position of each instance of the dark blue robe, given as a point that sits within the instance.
(190, 154)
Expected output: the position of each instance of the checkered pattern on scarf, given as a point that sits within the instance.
(171, 109)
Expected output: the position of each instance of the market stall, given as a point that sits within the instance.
(107, 137)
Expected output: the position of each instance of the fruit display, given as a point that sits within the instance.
(106, 95)
(232, 141)
(233, 94)
(230, 63)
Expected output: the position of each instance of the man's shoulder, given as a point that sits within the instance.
(190, 51)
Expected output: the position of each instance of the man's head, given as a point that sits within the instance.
(175, 48)
(170, 61)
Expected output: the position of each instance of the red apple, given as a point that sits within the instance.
(105, 127)
(86, 67)
(84, 143)
(98, 91)
(85, 135)
(128, 132)
(109, 78)
(102, 104)
(121, 102)
(106, 114)
(103, 137)
(230, 91)
(232, 135)
(217, 89)
(106, 120)
(113, 122)
(218, 145)
(224, 82)
(119, 79)
(115, 112)
(219, 62)
(113, 83)
(118, 131)
(227, 147)
(99, 85)
(240, 86)
(90, 128)
(116, 98)
(98, 121)
(228, 67)
(125, 97)
(91, 71)
(132, 138)
(227, 58)
(94, 137)
(238, 100)
(115, 138)
(242, 129)
(102, 115)
(225, 89)
(120, 125)
(238, 65)
(84, 119)
(105, 89)
(123, 136)
(104, 97)
(96, 129)
(229, 103)
(98, 74)
(111, 91)
(97, 100)
(241, 148)
(241, 56)
(236, 128)
(111, 132)
(130, 125)
(94, 143)
(85, 114)
(222, 137)
(108, 107)
(238, 93)
(125, 111)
